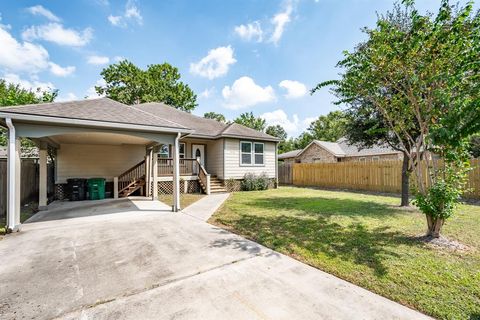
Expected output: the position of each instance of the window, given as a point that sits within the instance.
(181, 152)
(164, 151)
(362, 159)
(258, 150)
(252, 153)
(246, 153)
(376, 158)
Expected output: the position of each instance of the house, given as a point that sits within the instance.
(146, 149)
(340, 151)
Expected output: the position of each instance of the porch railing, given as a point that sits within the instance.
(188, 167)
(131, 175)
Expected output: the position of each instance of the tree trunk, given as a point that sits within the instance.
(434, 226)
(405, 182)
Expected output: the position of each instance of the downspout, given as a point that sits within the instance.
(11, 198)
(176, 170)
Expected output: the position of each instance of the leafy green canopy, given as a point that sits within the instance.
(215, 116)
(14, 95)
(277, 131)
(129, 84)
(421, 74)
(249, 120)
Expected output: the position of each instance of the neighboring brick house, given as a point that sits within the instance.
(340, 151)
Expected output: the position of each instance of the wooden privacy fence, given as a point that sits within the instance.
(29, 176)
(383, 176)
(285, 173)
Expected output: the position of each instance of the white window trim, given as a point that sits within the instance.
(375, 158)
(184, 150)
(252, 154)
(362, 159)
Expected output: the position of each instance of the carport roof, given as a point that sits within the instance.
(101, 110)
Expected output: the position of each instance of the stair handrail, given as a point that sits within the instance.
(203, 176)
(131, 175)
(125, 173)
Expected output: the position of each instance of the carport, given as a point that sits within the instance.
(89, 138)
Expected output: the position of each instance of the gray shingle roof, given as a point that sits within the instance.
(333, 147)
(352, 150)
(289, 154)
(146, 114)
(203, 127)
(102, 109)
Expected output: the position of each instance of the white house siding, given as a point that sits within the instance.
(234, 170)
(96, 161)
(214, 152)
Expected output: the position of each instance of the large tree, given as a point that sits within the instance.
(13, 95)
(215, 116)
(422, 76)
(329, 127)
(277, 131)
(249, 120)
(127, 83)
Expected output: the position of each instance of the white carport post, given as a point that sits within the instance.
(155, 175)
(176, 174)
(42, 181)
(13, 179)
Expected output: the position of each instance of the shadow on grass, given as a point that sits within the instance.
(311, 232)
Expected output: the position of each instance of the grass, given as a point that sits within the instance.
(186, 199)
(367, 240)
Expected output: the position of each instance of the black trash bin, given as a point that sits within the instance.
(77, 189)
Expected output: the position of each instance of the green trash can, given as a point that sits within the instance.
(96, 188)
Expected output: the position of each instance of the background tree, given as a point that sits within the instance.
(14, 95)
(129, 84)
(249, 120)
(277, 131)
(422, 76)
(215, 116)
(330, 127)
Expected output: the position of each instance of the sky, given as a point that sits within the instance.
(262, 56)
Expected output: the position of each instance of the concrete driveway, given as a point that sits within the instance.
(136, 260)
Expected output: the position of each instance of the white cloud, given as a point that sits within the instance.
(250, 31)
(279, 22)
(61, 71)
(215, 64)
(245, 93)
(115, 20)
(293, 126)
(16, 56)
(207, 93)
(91, 93)
(57, 33)
(32, 84)
(41, 11)
(118, 58)
(131, 13)
(294, 89)
(98, 60)
(68, 97)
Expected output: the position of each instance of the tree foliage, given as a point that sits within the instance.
(215, 116)
(277, 131)
(127, 83)
(249, 120)
(421, 74)
(330, 127)
(14, 95)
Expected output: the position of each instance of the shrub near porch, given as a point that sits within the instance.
(369, 241)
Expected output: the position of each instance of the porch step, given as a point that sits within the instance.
(132, 188)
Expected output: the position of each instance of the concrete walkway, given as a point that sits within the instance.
(154, 264)
(205, 207)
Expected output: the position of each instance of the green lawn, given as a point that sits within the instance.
(186, 199)
(367, 240)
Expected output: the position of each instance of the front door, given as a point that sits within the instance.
(198, 152)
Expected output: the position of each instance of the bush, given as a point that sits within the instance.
(252, 182)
